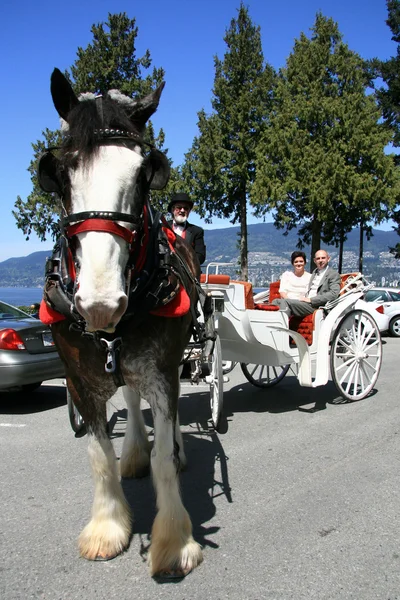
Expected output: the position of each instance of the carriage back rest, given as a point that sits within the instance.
(215, 279)
(346, 283)
(248, 293)
(274, 290)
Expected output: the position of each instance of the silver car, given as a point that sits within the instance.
(27, 352)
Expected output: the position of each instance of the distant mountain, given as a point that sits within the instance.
(269, 255)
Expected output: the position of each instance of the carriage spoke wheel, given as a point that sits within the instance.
(264, 376)
(75, 417)
(356, 355)
(216, 381)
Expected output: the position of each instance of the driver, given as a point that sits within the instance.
(180, 207)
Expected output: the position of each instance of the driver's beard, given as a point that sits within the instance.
(180, 220)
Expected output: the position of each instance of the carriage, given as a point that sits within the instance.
(337, 338)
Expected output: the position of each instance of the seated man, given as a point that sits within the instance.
(323, 287)
(180, 207)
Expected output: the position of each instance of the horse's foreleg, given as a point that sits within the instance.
(108, 532)
(135, 456)
(173, 551)
(179, 441)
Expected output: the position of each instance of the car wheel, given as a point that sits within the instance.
(31, 387)
(394, 326)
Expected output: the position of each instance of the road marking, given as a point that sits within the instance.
(12, 425)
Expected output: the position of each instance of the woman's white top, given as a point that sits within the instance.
(294, 286)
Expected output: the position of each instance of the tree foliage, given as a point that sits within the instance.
(109, 62)
(219, 167)
(388, 95)
(321, 163)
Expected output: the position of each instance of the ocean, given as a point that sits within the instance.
(21, 296)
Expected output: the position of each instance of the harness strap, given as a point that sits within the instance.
(95, 224)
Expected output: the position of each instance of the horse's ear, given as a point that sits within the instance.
(157, 169)
(62, 93)
(141, 111)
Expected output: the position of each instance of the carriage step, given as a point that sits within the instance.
(209, 379)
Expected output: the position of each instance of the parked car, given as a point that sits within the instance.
(28, 355)
(386, 302)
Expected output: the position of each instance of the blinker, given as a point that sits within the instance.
(157, 169)
(48, 173)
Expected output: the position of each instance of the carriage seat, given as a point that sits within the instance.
(215, 279)
(303, 325)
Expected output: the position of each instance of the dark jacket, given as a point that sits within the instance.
(195, 237)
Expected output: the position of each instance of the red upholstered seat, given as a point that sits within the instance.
(274, 290)
(215, 279)
(248, 293)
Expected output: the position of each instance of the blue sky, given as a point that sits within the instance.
(183, 36)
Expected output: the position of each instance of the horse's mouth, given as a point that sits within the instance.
(109, 329)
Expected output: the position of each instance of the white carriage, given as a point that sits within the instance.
(336, 339)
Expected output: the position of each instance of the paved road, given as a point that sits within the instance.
(288, 504)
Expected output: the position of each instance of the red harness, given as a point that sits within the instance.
(177, 307)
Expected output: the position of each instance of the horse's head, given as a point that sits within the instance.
(103, 178)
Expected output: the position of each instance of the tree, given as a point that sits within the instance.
(388, 95)
(219, 168)
(109, 62)
(321, 164)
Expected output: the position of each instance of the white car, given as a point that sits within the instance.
(383, 303)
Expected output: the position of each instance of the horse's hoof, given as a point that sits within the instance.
(105, 558)
(172, 574)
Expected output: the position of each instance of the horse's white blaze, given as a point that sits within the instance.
(105, 184)
(107, 534)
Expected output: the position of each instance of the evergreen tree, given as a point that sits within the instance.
(109, 62)
(389, 71)
(219, 168)
(389, 95)
(321, 164)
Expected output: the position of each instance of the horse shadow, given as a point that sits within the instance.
(203, 480)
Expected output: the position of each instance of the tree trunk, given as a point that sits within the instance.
(360, 257)
(244, 265)
(341, 243)
(315, 239)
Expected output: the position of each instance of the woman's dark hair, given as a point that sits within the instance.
(298, 254)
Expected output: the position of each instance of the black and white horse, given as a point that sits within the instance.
(102, 175)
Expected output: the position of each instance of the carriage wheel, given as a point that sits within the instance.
(356, 355)
(216, 381)
(75, 417)
(264, 376)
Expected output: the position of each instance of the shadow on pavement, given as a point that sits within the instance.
(205, 478)
(46, 397)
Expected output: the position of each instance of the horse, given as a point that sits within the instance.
(106, 335)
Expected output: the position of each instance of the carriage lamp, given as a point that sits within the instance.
(218, 301)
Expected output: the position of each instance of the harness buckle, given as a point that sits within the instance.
(111, 347)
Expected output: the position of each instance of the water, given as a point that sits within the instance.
(21, 296)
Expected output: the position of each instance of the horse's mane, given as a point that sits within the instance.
(84, 119)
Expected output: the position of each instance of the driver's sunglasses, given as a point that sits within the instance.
(180, 207)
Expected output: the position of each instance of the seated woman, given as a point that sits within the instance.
(294, 284)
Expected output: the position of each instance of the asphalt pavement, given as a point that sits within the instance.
(287, 504)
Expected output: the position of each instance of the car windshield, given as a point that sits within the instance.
(11, 312)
